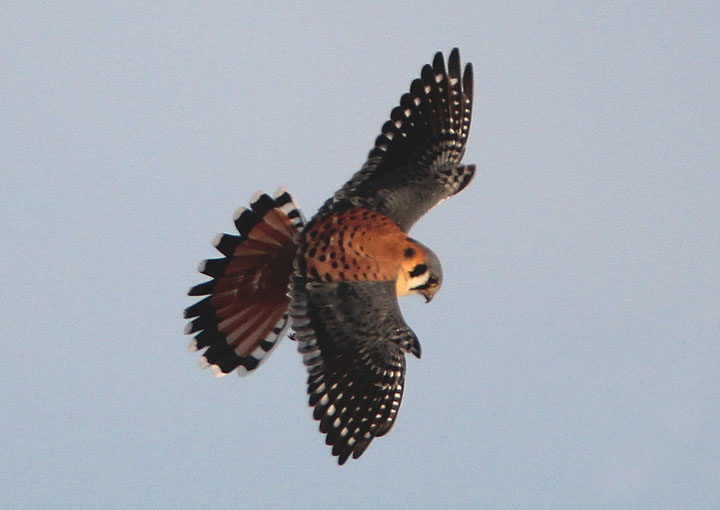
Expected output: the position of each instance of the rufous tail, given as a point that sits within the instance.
(245, 311)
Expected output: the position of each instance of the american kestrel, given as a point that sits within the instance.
(336, 279)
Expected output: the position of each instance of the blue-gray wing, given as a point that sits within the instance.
(416, 159)
(353, 340)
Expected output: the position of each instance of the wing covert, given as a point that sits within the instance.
(416, 159)
(353, 340)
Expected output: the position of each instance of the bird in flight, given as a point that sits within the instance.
(335, 280)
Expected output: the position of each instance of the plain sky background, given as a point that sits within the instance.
(572, 358)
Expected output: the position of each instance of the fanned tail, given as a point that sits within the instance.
(245, 311)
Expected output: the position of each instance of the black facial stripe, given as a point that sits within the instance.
(418, 270)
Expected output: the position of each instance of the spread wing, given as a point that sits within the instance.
(416, 159)
(353, 340)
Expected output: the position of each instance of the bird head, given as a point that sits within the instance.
(422, 274)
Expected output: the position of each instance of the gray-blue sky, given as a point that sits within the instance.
(571, 358)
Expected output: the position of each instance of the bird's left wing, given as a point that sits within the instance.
(416, 159)
(353, 340)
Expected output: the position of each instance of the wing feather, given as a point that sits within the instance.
(353, 340)
(416, 159)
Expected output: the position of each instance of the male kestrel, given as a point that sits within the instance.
(338, 277)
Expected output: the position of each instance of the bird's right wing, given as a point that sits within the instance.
(353, 340)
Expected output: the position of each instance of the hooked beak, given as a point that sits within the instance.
(428, 296)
